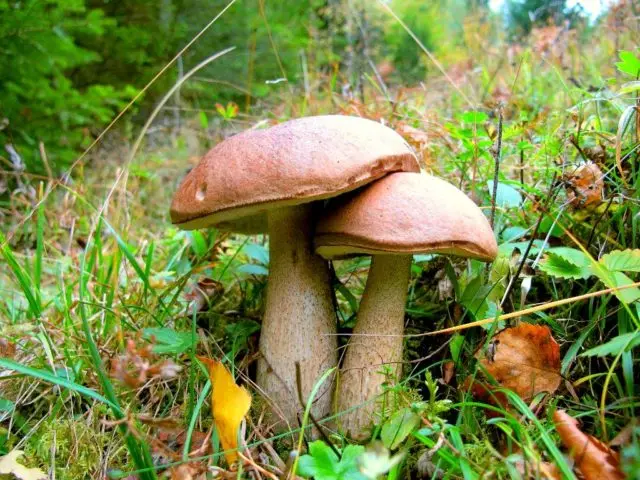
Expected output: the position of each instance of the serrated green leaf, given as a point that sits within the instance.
(474, 117)
(572, 255)
(614, 346)
(322, 463)
(398, 428)
(566, 264)
(622, 260)
(630, 63)
(619, 279)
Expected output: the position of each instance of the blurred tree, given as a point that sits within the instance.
(523, 15)
(437, 24)
(40, 102)
(67, 66)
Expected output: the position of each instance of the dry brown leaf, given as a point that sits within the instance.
(9, 465)
(139, 365)
(415, 137)
(585, 185)
(593, 458)
(7, 348)
(524, 359)
(189, 471)
(201, 295)
(625, 435)
(229, 403)
(448, 371)
(539, 470)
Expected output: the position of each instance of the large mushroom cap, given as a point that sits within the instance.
(405, 213)
(295, 162)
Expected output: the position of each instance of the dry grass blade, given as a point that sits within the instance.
(527, 311)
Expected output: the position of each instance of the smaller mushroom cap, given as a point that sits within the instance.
(405, 213)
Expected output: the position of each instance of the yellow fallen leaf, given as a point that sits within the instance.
(9, 466)
(229, 403)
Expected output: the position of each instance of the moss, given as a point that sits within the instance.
(79, 449)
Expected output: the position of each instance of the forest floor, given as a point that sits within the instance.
(108, 306)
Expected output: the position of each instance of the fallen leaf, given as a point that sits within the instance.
(139, 365)
(524, 359)
(417, 138)
(7, 348)
(229, 403)
(188, 471)
(625, 435)
(9, 466)
(536, 470)
(448, 371)
(585, 185)
(594, 459)
(202, 293)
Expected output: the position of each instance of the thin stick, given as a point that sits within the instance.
(527, 311)
(496, 171)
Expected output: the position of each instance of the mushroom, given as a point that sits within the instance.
(271, 181)
(392, 219)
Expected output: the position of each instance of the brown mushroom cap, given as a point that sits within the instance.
(405, 213)
(295, 162)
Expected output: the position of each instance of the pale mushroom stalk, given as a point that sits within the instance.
(299, 313)
(377, 339)
(392, 219)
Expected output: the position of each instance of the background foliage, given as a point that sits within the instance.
(66, 67)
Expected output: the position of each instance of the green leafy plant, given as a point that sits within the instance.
(323, 463)
(570, 263)
(629, 64)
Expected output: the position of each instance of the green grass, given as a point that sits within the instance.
(88, 266)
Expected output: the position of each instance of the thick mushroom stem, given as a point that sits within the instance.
(299, 323)
(381, 313)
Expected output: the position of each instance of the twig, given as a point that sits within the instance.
(496, 172)
(514, 278)
(526, 311)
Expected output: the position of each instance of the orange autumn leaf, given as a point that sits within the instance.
(524, 359)
(585, 185)
(229, 403)
(594, 459)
